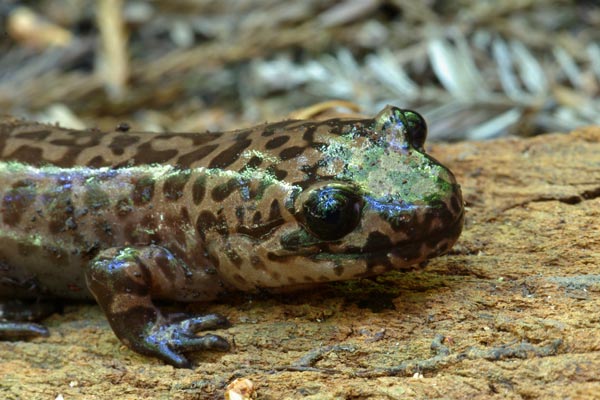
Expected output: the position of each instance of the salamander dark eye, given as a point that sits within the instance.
(416, 127)
(332, 212)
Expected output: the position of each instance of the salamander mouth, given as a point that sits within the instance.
(400, 253)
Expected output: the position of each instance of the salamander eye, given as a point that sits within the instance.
(332, 212)
(416, 127)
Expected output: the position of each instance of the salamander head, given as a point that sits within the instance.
(373, 202)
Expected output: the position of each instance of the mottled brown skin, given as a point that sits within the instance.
(128, 218)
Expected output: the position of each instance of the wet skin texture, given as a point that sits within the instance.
(129, 218)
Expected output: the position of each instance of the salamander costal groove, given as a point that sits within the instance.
(129, 218)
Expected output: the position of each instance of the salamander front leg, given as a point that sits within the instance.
(125, 280)
(16, 318)
(22, 330)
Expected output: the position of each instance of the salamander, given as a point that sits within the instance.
(128, 218)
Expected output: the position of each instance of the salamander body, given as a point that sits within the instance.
(128, 218)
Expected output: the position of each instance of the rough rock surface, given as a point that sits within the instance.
(512, 312)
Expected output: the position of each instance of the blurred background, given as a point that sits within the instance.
(474, 69)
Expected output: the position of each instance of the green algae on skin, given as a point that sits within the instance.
(376, 169)
(261, 155)
(96, 196)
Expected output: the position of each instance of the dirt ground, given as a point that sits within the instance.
(513, 312)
